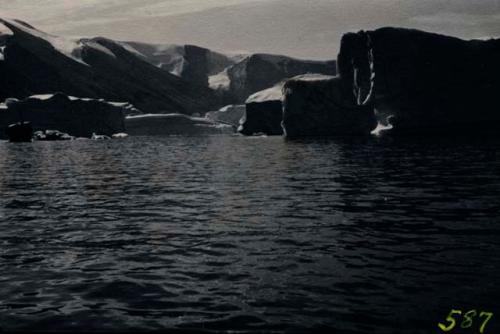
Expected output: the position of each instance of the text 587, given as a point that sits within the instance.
(469, 319)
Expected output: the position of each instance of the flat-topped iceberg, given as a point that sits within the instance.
(264, 112)
(78, 117)
(315, 106)
(421, 82)
(173, 124)
(304, 99)
(230, 114)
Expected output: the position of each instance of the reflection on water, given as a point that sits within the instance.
(252, 234)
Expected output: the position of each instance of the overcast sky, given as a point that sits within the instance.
(301, 28)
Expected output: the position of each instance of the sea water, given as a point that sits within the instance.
(251, 234)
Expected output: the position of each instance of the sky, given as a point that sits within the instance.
(300, 28)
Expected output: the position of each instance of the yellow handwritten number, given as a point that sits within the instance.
(488, 317)
(467, 322)
(468, 319)
(450, 319)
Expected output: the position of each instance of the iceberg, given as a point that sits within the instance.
(173, 124)
(420, 82)
(315, 106)
(78, 117)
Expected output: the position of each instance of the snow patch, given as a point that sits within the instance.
(166, 116)
(44, 97)
(381, 128)
(274, 93)
(98, 47)
(131, 49)
(157, 116)
(230, 114)
(69, 48)
(178, 68)
(131, 109)
(162, 49)
(219, 81)
(313, 77)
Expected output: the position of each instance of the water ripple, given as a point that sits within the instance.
(247, 234)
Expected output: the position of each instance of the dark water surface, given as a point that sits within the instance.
(248, 234)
